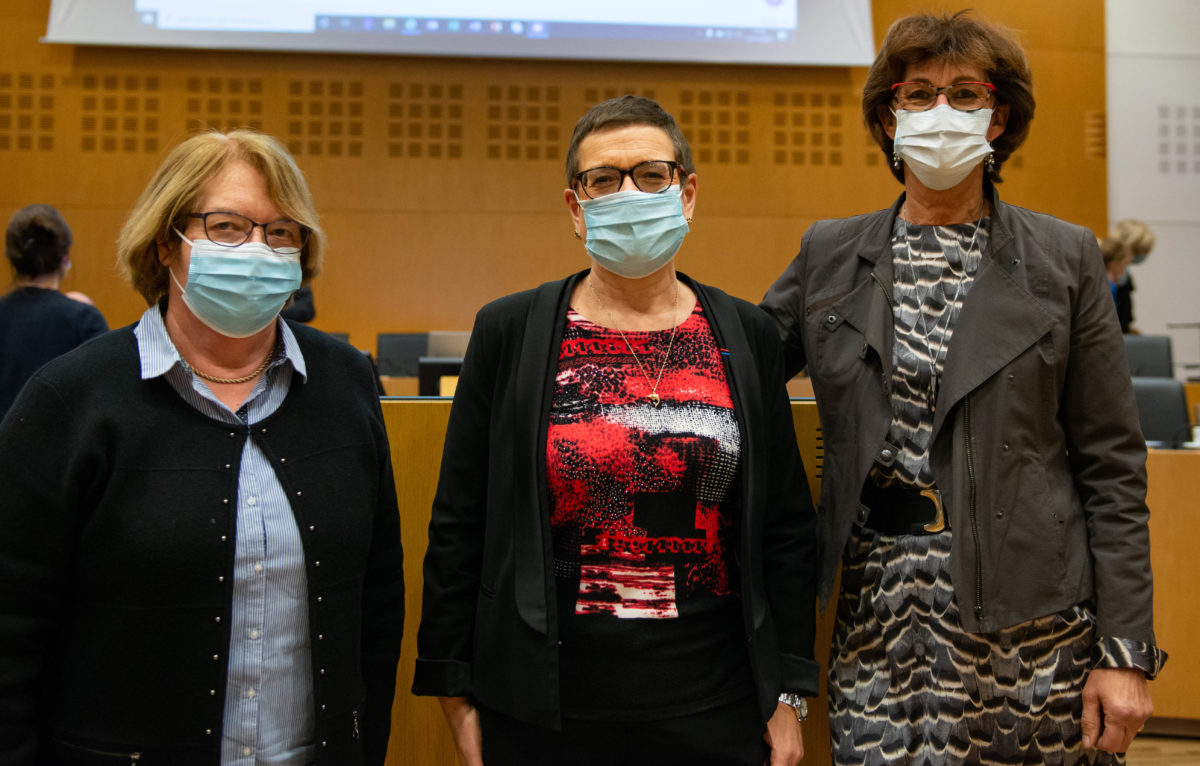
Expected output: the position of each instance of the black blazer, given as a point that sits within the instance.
(488, 625)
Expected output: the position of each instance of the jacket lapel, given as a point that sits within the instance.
(1000, 319)
(741, 374)
(535, 366)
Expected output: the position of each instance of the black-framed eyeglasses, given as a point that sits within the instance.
(230, 229)
(653, 176)
(964, 96)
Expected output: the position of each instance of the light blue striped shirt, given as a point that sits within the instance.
(268, 715)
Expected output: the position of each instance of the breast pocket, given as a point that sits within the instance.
(837, 347)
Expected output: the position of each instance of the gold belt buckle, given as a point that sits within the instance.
(939, 521)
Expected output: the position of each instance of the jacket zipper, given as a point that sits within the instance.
(972, 509)
(355, 734)
(883, 289)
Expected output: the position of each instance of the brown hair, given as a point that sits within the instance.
(37, 240)
(620, 112)
(956, 39)
(176, 188)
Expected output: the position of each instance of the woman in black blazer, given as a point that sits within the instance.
(621, 565)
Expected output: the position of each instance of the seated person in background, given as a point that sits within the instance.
(37, 322)
(301, 309)
(200, 553)
(1117, 257)
(1140, 240)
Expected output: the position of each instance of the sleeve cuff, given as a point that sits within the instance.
(442, 678)
(801, 675)
(1127, 653)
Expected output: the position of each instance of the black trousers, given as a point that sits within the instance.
(730, 735)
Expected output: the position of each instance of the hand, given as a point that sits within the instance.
(464, 725)
(784, 737)
(1116, 702)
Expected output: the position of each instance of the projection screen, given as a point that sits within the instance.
(789, 32)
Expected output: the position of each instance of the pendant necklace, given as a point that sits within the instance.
(653, 397)
(931, 391)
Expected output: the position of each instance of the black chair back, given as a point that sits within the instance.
(397, 353)
(1162, 411)
(1149, 356)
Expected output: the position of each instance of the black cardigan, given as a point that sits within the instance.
(117, 524)
(488, 622)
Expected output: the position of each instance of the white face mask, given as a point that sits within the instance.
(942, 145)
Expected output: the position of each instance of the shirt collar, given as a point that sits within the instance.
(158, 354)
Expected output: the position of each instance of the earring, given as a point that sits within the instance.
(990, 163)
(577, 234)
(690, 221)
(895, 159)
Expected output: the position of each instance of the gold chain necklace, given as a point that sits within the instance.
(244, 379)
(653, 397)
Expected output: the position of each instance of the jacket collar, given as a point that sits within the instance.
(999, 320)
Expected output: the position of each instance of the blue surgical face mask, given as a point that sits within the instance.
(238, 291)
(634, 233)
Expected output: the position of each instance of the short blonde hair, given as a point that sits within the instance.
(1113, 249)
(1135, 234)
(177, 185)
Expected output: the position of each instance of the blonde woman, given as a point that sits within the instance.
(200, 557)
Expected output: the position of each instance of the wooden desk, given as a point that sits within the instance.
(1191, 390)
(417, 429)
(1174, 477)
(399, 386)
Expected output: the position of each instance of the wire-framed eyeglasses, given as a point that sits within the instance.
(230, 229)
(964, 96)
(653, 176)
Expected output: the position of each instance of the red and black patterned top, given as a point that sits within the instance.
(643, 517)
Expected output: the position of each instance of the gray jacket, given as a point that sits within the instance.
(1036, 444)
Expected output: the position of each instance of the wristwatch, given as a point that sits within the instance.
(796, 702)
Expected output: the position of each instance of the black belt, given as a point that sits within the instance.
(899, 510)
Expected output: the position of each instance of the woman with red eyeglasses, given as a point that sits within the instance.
(984, 478)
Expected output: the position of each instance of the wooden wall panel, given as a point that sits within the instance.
(440, 180)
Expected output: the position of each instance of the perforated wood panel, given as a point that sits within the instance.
(594, 95)
(325, 117)
(27, 105)
(809, 128)
(120, 113)
(224, 103)
(717, 124)
(425, 120)
(1178, 139)
(524, 122)
(440, 180)
(1095, 134)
